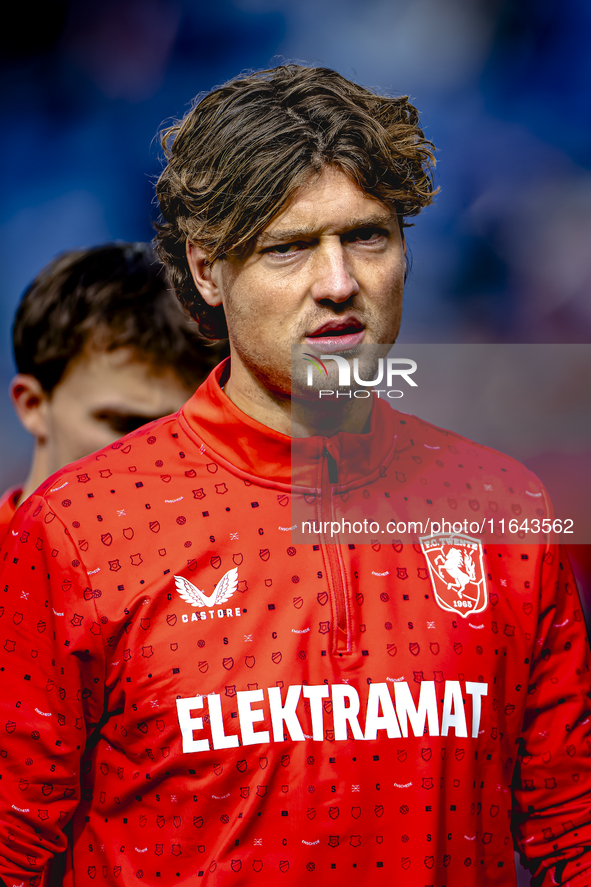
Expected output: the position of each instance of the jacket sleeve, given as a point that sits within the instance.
(52, 668)
(552, 783)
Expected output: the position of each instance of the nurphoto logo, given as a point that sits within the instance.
(386, 370)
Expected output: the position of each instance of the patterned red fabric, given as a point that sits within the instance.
(8, 503)
(322, 710)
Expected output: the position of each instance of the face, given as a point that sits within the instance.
(102, 396)
(326, 274)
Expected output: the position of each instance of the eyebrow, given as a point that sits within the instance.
(282, 236)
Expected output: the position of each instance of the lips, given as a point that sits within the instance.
(337, 335)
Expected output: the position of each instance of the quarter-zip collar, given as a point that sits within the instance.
(266, 455)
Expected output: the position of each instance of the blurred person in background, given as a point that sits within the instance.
(102, 347)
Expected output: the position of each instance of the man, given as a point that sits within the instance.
(241, 707)
(101, 347)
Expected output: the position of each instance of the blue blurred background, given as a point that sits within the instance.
(504, 88)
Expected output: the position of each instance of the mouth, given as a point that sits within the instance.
(337, 335)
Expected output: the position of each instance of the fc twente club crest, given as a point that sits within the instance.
(457, 574)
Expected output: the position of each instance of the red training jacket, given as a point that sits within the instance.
(211, 704)
(7, 508)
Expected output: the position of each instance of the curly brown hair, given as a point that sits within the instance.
(240, 154)
(112, 296)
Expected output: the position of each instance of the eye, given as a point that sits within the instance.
(283, 249)
(122, 423)
(367, 235)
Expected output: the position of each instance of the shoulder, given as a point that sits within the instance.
(414, 431)
(124, 464)
(8, 505)
(9, 500)
(467, 469)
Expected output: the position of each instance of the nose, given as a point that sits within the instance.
(333, 277)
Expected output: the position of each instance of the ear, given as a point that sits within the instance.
(30, 403)
(207, 276)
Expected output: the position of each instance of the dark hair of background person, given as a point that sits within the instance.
(245, 148)
(107, 297)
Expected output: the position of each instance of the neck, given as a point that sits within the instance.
(39, 470)
(296, 417)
